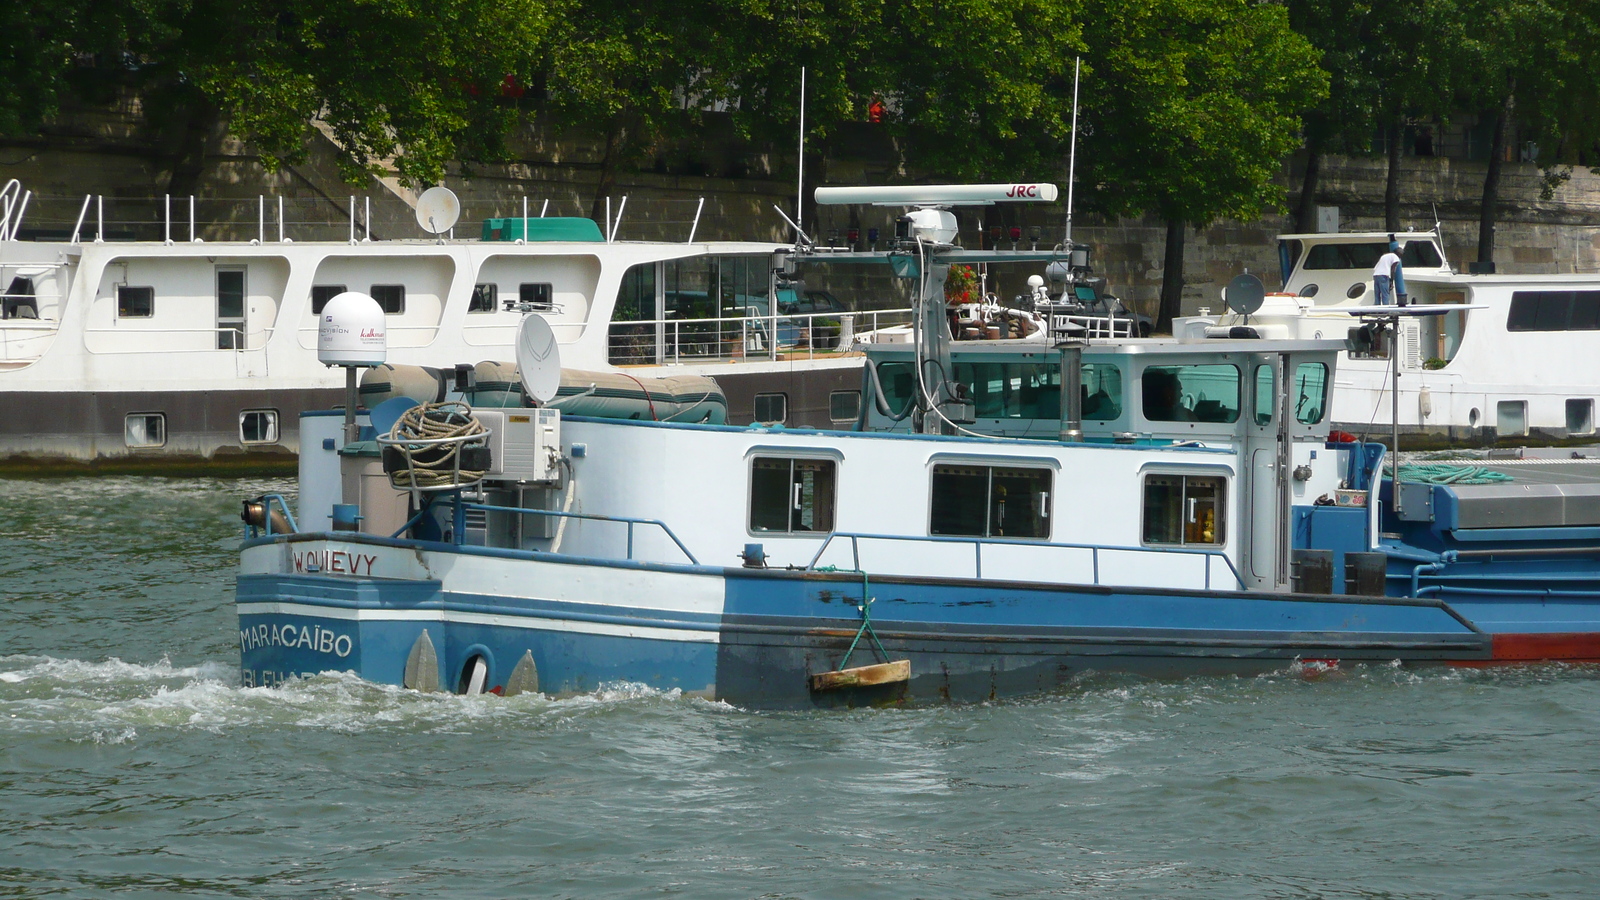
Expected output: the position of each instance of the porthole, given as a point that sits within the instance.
(1356, 290)
(1472, 417)
(1309, 290)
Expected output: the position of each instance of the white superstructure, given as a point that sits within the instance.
(1516, 362)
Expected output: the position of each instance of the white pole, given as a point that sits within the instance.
(608, 217)
(99, 218)
(617, 225)
(280, 218)
(545, 208)
(524, 218)
(696, 224)
(800, 186)
(1072, 159)
(191, 218)
(366, 216)
(22, 208)
(261, 218)
(81, 213)
(352, 218)
(166, 234)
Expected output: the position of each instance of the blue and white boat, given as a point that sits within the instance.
(1007, 516)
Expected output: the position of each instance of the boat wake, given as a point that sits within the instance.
(114, 702)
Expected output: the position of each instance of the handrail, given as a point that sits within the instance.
(629, 521)
(978, 542)
(746, 331)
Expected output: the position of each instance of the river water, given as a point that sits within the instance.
(131, 765)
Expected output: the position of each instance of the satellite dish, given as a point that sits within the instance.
(1245, 294)
(438, 209)
(538, 359)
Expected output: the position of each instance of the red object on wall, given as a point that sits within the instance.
(875, 111)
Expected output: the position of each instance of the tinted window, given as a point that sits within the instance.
(771, 408)
(990, 501)
(791, 495)
(539, 296)
(1191, 393)
(392, 297)
(483, 297)
(1309, 392)
(1413, 254)
(135, 302)
(1554, 311)
(322, 293)
(844, 406)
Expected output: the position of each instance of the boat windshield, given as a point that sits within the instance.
(1413, 255)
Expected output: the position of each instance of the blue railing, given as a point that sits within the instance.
(979, 542)
(462, 507)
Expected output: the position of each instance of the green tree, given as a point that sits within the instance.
(1190, 107)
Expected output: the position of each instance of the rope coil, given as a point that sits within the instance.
(430, 437)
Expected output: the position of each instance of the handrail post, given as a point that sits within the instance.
(166, 219)
(977, 553)
(630, 540)
(83, 211)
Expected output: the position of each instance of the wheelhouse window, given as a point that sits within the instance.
(1185, 510)
(1204, 393)
(321, 294)
(135, 302)
(1414, 255)
(483, 299)
(771, 409)
(539, 297)
(258, 426)
(790, 495)
(990, 501)
(392, 297)
(1309, 392)
(1016, 390)
(144, 430)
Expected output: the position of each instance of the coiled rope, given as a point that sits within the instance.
(1443, 473)
(435, 465)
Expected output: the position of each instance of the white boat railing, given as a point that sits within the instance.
(745, 338)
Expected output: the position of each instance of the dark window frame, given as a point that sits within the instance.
(321, 294)
(271, 416)
(539, 296)
(783, 400)
(767, 477)
(387, 298)
(945, 521)
(1219, 508)
(159, 417)
(480, 292)
(126, 299)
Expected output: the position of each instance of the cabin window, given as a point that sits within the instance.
(771, 408)
(230, 309)
(791, 495)
(144, 430)
(1554, 311)
(1184, 510)
(1309, 392)
(258, 426)
(483, 298)
(1413, 255)
(1580, 417)
(1263, 410)
(321, 294)
(1206, 393)
(538, 297)
(392, 297)
(135, 302)
(633, 333)
(20, 300)
(1511, 418)
(844, 406)
(990, 501)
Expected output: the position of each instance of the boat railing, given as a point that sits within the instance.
(750, 336)
(1092, 326)
(1095, 551)
(464, 505)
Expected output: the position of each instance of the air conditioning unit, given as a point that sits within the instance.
(524, 444)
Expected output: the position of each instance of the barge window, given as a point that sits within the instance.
(1554, 311)
(392, 297)
(258, 426)
(321, 294)
(844, 406)
(1264, 400)
(1580, 417)
(143, 430)
(1413, 255)
(1206, 393)
(135, 302)
(1309, 392)
(791, 495)
(632, 338)
(1184, 510)
(990, 501)
(483, 297)
(20, 300)
(537, 296)
(771, 409)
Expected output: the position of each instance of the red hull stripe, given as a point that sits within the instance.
(1581, 646)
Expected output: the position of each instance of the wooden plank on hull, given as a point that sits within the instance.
(892, 672)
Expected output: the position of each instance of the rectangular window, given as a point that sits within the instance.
(537, 297)
(632, 338)
(392, 297)
(791, 495)
(1264, 400)
(1580, 417)
(135, 302)
(483, 298)
(258, 426)
(321, 294)
(20, 300)
(1413, 255)
(771, 408)
(1207, 393)
(1185, 510)
(844, 406)
(230, 309)
(1554, 311)
(990, 501)
(1309, 392)
(1511, 418)
(143, 430)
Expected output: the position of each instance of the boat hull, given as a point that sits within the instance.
(315, 603)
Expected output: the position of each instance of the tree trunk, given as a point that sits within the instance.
(1171, 277)
(189, 157)
(1391, 185)
(616, 133)
(1491, 181)
(1305, 217)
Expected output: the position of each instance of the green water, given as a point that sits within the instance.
(132, 766)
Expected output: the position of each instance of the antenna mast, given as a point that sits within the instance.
(1072, 158)
(800, 188)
